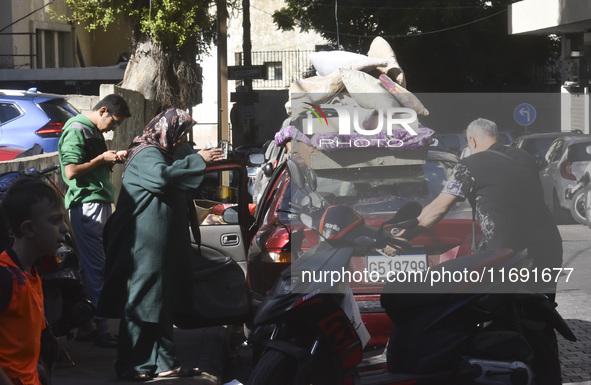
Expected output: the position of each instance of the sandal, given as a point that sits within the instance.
(179, 372)
(105, 340)
(134, 376)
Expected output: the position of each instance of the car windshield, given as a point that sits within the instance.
(373, 190)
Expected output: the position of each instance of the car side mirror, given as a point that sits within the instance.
(230, 215)
(256, 159)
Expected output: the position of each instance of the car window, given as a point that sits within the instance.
(538, 147)
(451, 142)
(504, 138)
(218, 191)
(370, 190)
(554, 151)
(57, 110)
(578, 152)
(8, 111)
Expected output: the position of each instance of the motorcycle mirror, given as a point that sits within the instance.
(297, 176)
(311, 179)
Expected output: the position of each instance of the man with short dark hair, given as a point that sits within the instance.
(86, 168)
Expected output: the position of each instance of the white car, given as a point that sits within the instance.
(562, 166)
(581, 198)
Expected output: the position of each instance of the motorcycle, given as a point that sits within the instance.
(456, 333)
(65, 304)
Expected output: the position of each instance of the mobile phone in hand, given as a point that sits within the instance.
(224, 146)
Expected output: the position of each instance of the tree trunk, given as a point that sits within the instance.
(171, 79)
(142, 69)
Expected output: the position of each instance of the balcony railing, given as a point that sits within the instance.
(283, 67)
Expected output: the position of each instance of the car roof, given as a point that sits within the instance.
(549, 135)
(578, 139)
(31, 93)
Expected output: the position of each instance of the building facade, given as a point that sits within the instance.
(38, 50)
(284, 55)
(571, 20)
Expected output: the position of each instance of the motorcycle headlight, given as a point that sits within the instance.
(285, 284)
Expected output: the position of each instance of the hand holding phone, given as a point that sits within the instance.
(224, 145)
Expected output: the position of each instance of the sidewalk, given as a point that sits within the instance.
(203, 348)
(575, 357)
(208, 349)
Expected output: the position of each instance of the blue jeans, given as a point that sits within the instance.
(88, 222)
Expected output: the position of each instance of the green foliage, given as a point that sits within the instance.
(171, 23)
(443, 46)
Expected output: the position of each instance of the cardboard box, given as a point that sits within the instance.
(204, 208)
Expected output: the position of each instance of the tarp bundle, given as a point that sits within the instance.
(367, 84)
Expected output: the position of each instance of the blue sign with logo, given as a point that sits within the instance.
(524, 114)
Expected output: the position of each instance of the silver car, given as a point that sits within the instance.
(562, 166)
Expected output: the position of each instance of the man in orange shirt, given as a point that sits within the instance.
(36, 216)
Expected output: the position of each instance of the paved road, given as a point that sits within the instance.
(574, 304)
(210, 348)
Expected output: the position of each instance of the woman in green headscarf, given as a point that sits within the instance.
(148, 246)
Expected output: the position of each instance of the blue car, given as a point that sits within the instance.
(29, 117)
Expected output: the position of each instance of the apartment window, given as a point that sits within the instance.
(54, 47)
(274, 70)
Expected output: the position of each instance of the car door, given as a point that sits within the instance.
(219, 241)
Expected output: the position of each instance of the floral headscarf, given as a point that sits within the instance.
(163, 131)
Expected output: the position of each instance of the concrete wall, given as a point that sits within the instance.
(141, 110)
(549, 16)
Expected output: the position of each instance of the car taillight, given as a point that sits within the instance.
(50, 130)
(566, 171)
(282, 255)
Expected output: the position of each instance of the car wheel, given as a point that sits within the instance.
(587, 192)
(561, 216)
(577, 207)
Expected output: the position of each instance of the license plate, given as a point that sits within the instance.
(384, 264)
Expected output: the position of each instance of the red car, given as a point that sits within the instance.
(9, 153)
(229, 239)
(375, 193)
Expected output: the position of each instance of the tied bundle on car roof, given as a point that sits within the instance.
(355, 106)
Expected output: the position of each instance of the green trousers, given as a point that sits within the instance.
(145, 347)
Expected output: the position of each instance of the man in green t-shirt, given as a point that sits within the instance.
(86, 165)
